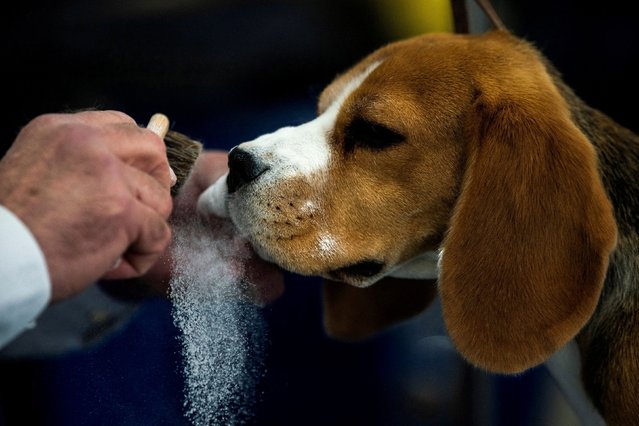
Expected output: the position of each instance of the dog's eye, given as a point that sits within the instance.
(365, 269)
(367, 134)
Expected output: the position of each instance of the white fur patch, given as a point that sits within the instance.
(213, 199)
(303, 149)
(327, 244)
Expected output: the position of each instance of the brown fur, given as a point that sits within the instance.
(543, 183)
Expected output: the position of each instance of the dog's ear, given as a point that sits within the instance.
(352, 313)
(528, 245)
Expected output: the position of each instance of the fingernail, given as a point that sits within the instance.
(117, 263)
(173, 176)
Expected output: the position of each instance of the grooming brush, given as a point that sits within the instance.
(181, 150)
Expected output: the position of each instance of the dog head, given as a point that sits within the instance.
(443, 156)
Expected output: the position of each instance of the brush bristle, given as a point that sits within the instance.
(182, 152)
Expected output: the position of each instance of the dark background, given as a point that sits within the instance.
(225, 72)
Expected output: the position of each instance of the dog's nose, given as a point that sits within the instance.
(244, 167)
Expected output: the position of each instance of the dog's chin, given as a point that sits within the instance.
(312, 262)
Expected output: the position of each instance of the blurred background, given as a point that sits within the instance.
(225, 72)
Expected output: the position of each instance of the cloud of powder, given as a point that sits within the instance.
(222, 337)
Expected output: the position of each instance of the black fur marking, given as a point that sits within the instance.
(367, 134)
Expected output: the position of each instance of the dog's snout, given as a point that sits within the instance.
(244, 167)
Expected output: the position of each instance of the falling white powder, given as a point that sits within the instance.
(222, 336)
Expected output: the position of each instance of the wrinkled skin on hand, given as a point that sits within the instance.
(94, 190)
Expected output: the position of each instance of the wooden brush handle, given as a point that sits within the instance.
(159, 124)
(181, 151)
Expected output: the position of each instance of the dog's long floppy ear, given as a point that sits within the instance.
(352, 313)
(530, 237)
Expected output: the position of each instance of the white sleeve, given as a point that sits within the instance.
(25, 288)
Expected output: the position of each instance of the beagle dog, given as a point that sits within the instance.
(458, 166)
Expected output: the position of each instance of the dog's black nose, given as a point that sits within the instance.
(244, 167)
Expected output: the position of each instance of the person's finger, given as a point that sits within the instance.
(153, 239)
(104, 117)
(149, 191)
(142, 149)
(150, 235)
(135, 145)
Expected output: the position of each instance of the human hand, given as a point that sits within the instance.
(263, 281)
(94, 190)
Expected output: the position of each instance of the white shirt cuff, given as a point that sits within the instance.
(25, 287)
